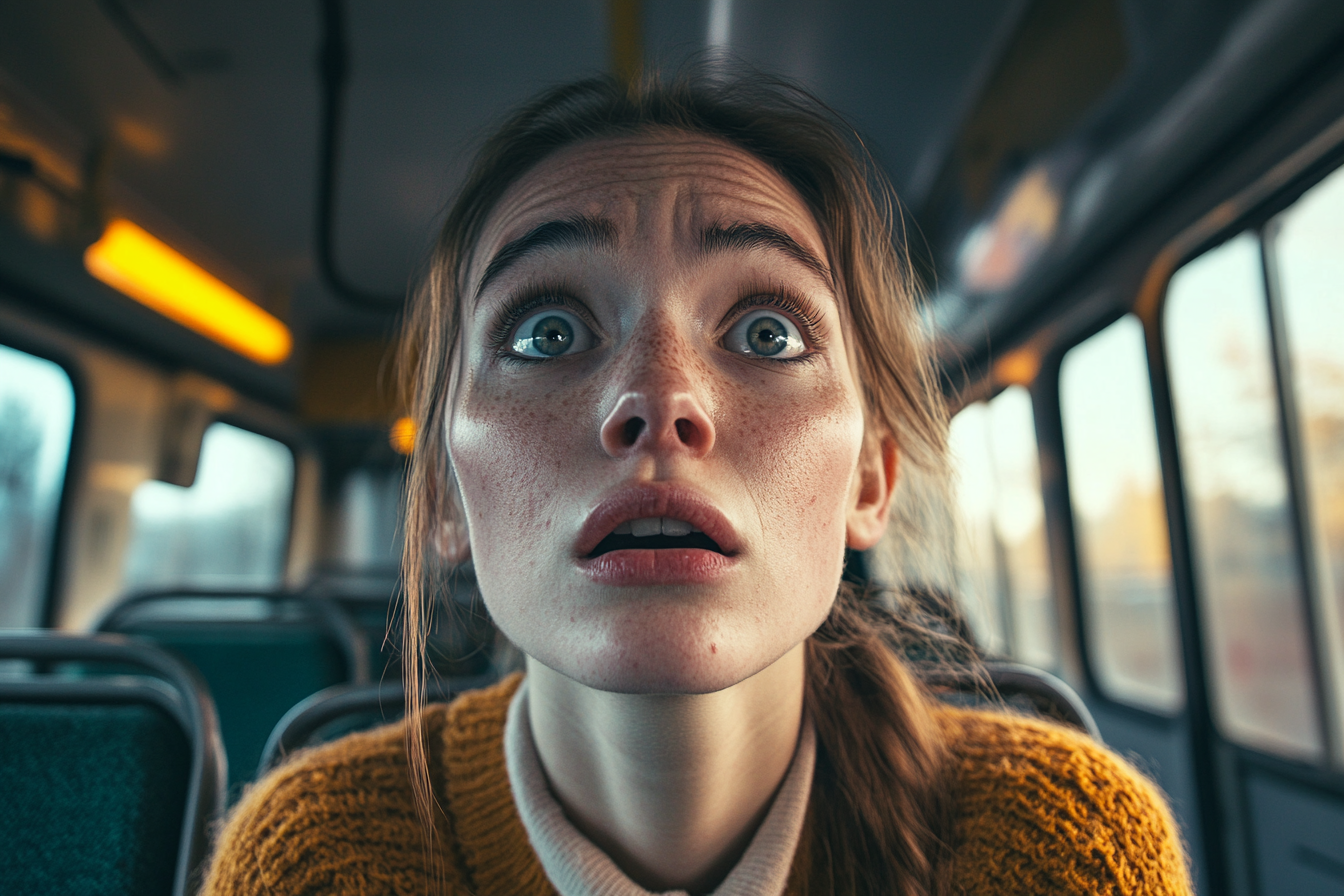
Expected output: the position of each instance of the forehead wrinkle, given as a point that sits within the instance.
(623, 179)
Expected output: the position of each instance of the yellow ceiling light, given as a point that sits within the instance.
(132, 261)
(402, 435)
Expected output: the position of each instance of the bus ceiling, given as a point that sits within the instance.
(301, 154)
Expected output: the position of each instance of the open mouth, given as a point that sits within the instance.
(655, 533)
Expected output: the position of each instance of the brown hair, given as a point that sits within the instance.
(880, 808)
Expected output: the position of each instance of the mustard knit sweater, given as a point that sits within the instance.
(1040, 810)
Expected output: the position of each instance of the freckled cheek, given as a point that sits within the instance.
(510, 455)
(798, 456)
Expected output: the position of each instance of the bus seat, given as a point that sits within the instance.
(460, 640)
(260, 652)
(341, 709)
(1023, 688)
(109, 781)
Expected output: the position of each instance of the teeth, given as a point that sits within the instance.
(675, 527)
(646, 527)
(655, 525)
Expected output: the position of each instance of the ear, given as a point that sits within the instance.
(451, 541)
(874, 485)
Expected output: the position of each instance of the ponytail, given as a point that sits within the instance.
(881, 805)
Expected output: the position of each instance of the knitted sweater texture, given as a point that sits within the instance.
(1040, 810)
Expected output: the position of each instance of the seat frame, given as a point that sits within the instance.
(295, 728)
(329, 616)
(1050, 696)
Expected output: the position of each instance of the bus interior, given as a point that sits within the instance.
(1127, 217)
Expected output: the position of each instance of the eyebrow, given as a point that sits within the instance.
(580, 232)
(762, 236)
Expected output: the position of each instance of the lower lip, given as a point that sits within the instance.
(667, 566)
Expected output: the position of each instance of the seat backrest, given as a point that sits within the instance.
(1023, 688)
(260, 653)
(108, 780)
(342, 709)
(460, 641)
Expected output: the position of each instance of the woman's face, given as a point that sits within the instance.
(657, 431)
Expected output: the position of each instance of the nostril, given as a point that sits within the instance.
(630, 432)
(686, 431)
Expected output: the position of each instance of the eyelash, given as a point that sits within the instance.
(528, 299)
(785, 298)
(767, 295)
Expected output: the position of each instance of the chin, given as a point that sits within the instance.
(661, 651)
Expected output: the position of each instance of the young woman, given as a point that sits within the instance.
(668, 367)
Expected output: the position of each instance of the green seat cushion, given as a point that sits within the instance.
(93, 798)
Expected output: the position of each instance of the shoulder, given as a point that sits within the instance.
(1045, 809)
(342, 816)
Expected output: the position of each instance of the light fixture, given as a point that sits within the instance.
(402, 435)
(134, 262)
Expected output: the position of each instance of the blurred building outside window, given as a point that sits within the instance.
(1237, 490)
(1004, 570)
(230, 529)
(1120, 521)
(37, 416)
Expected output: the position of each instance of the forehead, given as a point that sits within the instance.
(661, 182)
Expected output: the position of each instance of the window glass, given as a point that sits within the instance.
(37, 416)
(1019, 522)
(229, 529)
(977, 573)
(369, 522)
(1311, 287)
(1004, 573)
(1227, 419)
(1115, 487)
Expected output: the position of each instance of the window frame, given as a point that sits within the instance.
(1254, 211)
(1070, 547)
(1289, 444)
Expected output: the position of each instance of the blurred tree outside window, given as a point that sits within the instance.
(1237, 489)
(1004, 570)
(37, 416)
(230, 529)
(1120, 520)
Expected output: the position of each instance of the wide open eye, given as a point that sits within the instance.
(550, 333)
(765, 334)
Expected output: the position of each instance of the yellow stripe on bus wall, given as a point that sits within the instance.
(134, 262)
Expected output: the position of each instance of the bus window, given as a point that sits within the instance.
(1115, 487)
(1227, 419)
(37, 416)
(229, 529)
(969, 444)
(1310, 271)
(369, 522)
(1004, 570)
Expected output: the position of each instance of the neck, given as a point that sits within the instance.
(672, 787)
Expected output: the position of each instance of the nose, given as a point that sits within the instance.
(658, 421)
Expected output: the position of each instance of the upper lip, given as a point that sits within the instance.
(654, 499)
